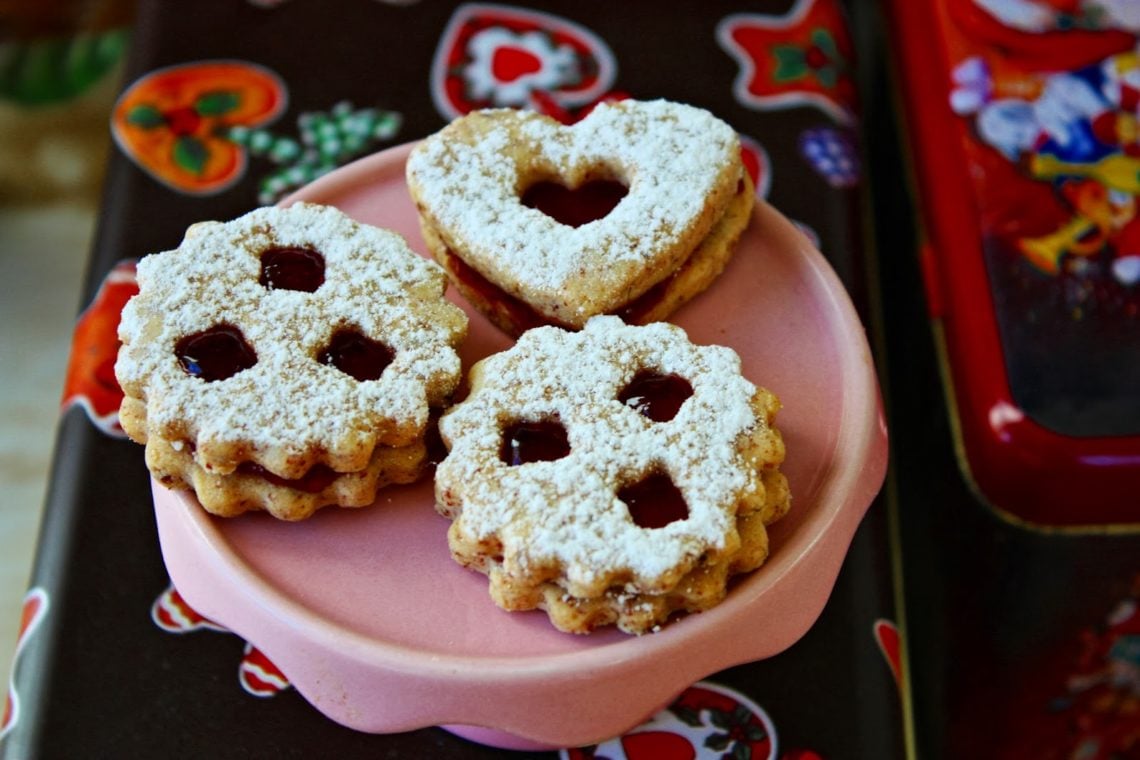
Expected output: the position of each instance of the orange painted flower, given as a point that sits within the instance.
(175, 122)
(90, 380)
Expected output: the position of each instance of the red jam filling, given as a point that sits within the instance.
(577, 206)
(634, 312)
(215, 353)
(654, 501)
(300, 269)
(656, 396)
(523, 315)
(433, 440)
(519, 312)
(356, 354)
(541, 441)
(318, 478)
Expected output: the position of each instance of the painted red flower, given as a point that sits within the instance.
(492, 55)
(706, 721)
(801, 58)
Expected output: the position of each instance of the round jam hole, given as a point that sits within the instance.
(292, 269)
(216, 353)
(541, 441)
(654, 501)
(357, 355)
(577, 206)
(657, 396)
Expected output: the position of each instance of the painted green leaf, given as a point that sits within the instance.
(190, 154)
(687, 715)
(718, 742)
(145, 116)
(217, 103)
(790, 63)
(720, 719)
(741, 715)
(826, 43)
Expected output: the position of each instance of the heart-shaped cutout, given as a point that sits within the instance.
(575, 206)
(509, 63)
(680, 167)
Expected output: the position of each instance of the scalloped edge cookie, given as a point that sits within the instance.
(293, 407)
(555, 535)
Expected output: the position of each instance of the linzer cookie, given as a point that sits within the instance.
(632, 211)
(286, 360)
(618, 474)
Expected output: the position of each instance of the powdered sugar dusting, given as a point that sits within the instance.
(670, 155)
(566, 511)
(288, 399)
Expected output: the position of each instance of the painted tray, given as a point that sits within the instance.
(380, 630)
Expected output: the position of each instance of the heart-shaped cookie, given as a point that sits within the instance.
(661, 178)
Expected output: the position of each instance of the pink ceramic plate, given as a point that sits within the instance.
(372, 621)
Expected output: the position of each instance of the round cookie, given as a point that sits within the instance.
(289, 339)
(615, 474)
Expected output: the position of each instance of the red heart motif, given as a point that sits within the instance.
(510, 63)
(657, 745)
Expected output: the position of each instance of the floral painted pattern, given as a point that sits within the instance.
(706, 721)
(713, 722)
(257, 674)
(90, 381)
(175, 122)
(492, 55)
(195, 127)
(803, 58)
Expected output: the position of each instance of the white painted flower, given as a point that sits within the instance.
(507, 67)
